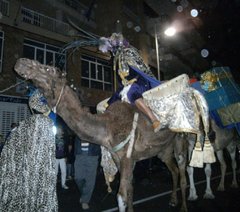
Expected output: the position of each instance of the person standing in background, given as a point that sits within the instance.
(85, 169)
(1, 143)
(61, 156)
(2, 140)
(70, 158)
(13, 126)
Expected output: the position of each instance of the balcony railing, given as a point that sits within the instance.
(45, 22)
(4, 7)
(86, 14)
(76, 5)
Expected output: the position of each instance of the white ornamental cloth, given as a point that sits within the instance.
(178, 106)
(27, 168)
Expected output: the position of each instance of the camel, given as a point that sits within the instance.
(224, 139)
(110, 129)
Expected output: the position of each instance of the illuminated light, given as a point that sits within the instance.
(54, 130)
(170, 31)
(204, 53)
(137, 28)
(179, 8)
(194, 13)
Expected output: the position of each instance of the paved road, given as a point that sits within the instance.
(152, 190)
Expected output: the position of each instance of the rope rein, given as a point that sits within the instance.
(12, 86)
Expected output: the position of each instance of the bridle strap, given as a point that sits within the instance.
(59, 99)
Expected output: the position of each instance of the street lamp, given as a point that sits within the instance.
(171, 31)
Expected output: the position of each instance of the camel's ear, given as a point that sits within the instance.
(62, 74)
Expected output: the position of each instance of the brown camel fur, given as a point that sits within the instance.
(111, 128)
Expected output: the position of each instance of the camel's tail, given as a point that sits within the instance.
(206, 155)
(203, 108)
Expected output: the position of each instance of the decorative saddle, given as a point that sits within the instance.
(175, 104)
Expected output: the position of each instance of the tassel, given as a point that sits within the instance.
(208, 152)
(197, 156)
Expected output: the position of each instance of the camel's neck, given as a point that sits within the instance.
(86, 125)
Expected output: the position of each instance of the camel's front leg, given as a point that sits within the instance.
(125, 192)
(192, 190)
(208, 192)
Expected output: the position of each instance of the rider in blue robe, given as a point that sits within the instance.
(134, 75)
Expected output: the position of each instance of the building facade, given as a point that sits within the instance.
(39, 30)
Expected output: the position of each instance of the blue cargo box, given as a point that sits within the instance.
(224, 76)
(223, 96)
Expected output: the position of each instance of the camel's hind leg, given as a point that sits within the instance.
(125, 192)
(232, 151)
(231, 148)
(174, 171)
(190, 170)
(180, 152)
(223, 166)
(183, 182)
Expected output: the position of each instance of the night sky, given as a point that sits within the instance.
(221, 31)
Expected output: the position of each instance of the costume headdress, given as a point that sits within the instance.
(38, 102)
(104, 44)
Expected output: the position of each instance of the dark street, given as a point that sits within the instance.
(152, 189)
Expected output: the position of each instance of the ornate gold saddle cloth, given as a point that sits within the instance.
(175, 104)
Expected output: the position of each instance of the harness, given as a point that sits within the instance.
(129, 139)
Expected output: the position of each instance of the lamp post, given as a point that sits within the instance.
(169, 32)
(157, 54)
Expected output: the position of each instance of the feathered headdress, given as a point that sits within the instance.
(89, 39)
(104, 44)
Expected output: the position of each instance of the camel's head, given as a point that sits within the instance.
(47, 78)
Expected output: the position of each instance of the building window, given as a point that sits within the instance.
(1, 49)
(96, 73)
(4, 7)
(12, 113)
(44, 53)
